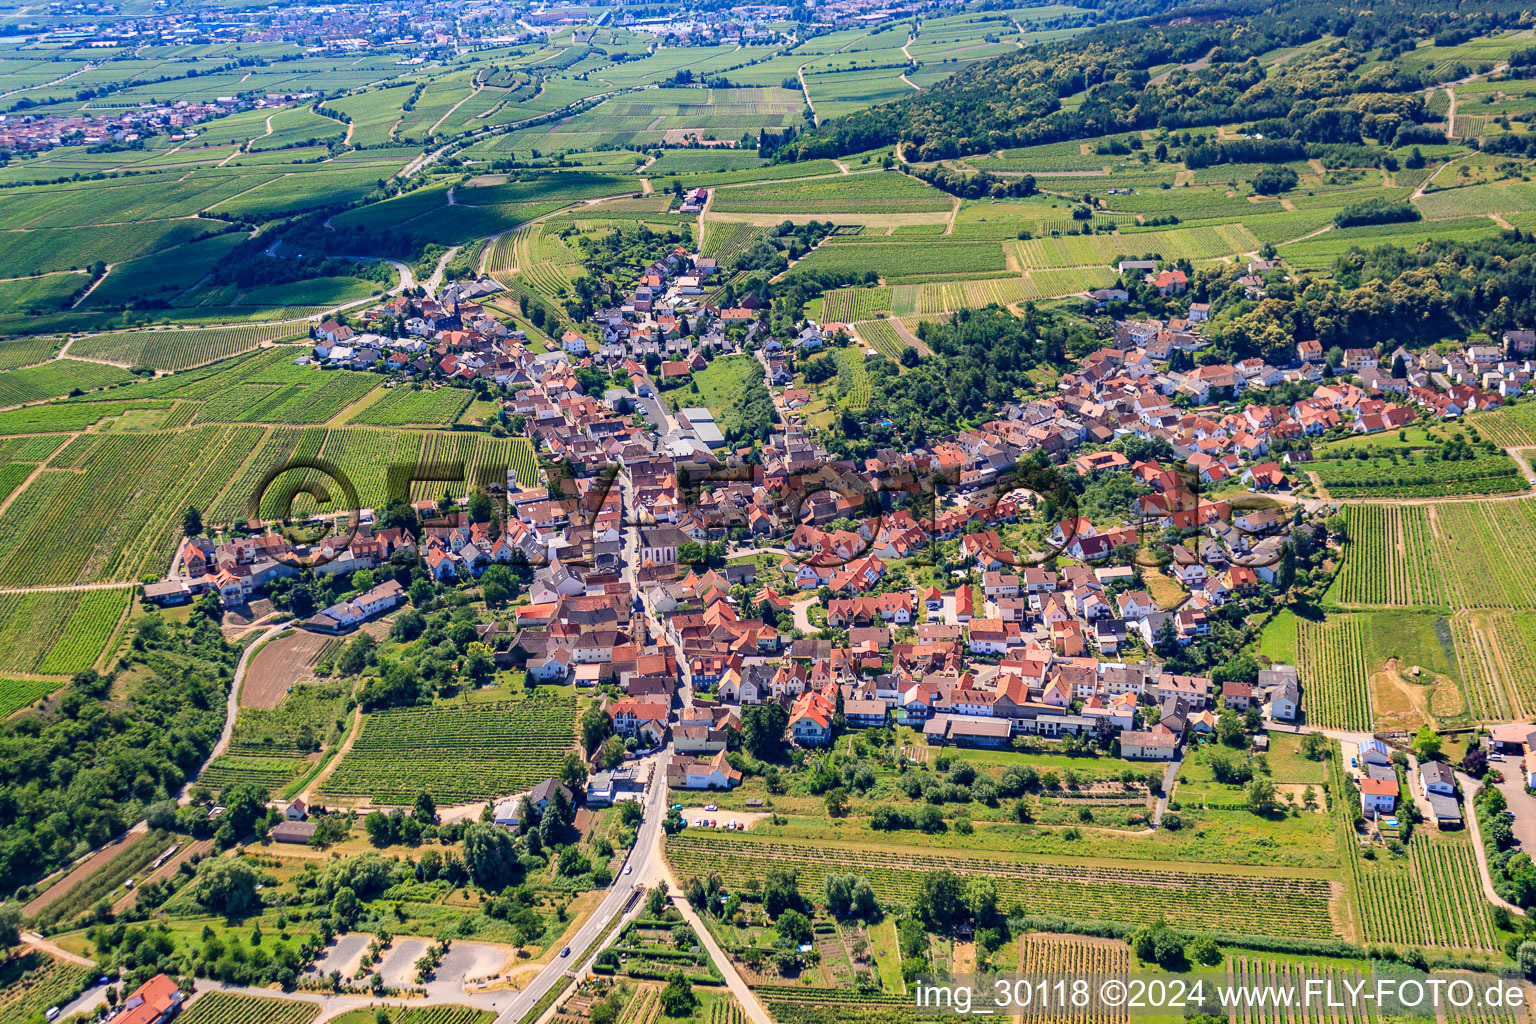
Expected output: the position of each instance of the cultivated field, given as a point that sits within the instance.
(456, 753)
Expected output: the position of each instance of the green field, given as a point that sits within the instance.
(456, 753)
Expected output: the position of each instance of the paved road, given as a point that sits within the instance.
(642, 862)
(1525, 811)
(1170, 774)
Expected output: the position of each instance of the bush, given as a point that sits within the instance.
(1376, 211)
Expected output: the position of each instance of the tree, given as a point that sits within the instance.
(850, 896)
(595, 727)
(1203, 950)
(345, 907)
(762, 730)
(781, 891)
(161, 815)
(379, 828)
(1525, 956)
(481, 508)
(191, 522)
(490, 856)
(479, 664)
(1261, 795)
(573, 771)
(1426, 745)
(838, 802)
(939, 900)
(677, 998)
(1229, 729)
(10, 924)
(794, 929)
(425, 808)
(1314, 746)
(226, 886)
(243, 804)
(1159, 944)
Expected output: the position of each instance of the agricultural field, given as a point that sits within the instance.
(305, 720)
(118, 497)
(1227, 902)
(1458, 554)
(1409, 474)
(1427, 896)
(26, 351)
(269, 773)
(885, 191)
(901, 261)
(405, 406)
(32, 982)
(1513, 426)
(727, 241)
(16, 694)
(56, 378)
(58, 633)
(231, 1008)
(845, 305)
(180, 350)
(456, 752)
(1334, 672)
(1046, 954)
(882, 337)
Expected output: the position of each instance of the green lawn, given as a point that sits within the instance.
(715, 387)
(1278, 641)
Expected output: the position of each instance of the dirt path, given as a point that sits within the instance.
(472, 94)
(94, 284)
(1425, 183)
(341, 752)
(36, 471)
(36, 941)
(1518, 454)
(1194, 65)
(815, 118)
(80, 870)
(431, 283)
(907, 336)
(231, 709)
(1468, 787)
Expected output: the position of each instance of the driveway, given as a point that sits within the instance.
(1522, 804)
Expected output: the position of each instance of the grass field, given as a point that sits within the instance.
(716, 387)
